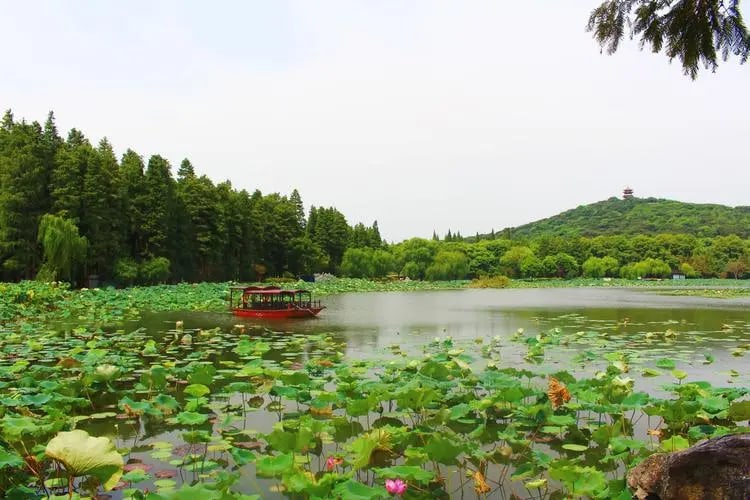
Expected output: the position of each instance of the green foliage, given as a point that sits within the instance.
(596, 267)
(134, 213)
(306, 257)
(66, 182)
(154, 270)
(63, 247)
(532, 267)
(126, 271)
(363, 236)
(159, 198)
(142, 226)
(511, 260)
(26, 161)
(101, 219)
(688, 270)
(357, 263)
(648, 268)
(414, 256)
(331, 425)
(331, 233)
(366, 262)
(695, 32)
(646, 216)
(448, 265)
(561, 265)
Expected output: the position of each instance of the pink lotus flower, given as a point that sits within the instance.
(395, 486)
(332, 462)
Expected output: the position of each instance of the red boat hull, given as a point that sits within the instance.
(277, 313)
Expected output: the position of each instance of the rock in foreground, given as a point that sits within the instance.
(717, 469)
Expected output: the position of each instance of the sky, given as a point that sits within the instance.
(424, 115)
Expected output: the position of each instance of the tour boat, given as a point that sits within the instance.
(271, 302)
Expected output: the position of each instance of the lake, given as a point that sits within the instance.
(371, 322)
(591, 322)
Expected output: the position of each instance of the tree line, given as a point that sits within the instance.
(626, 256)
(69, 209)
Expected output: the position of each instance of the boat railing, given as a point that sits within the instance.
(308, 304)
(261, 303)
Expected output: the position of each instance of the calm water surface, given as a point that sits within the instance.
(370, 323)
(620, 320)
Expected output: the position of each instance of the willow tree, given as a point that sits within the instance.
(693, 31)
(63, 247)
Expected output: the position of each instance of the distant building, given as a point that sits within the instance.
(627, 193)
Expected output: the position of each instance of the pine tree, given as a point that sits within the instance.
(376, 240)
(232, 214)
(199, 220)
(186, 170)
(159, 196)
(296, 200)
(132, 194)
(101, 214)
(66, 184)
(23, 196)
(312, 221)
(7, 124)
(331, 235)
(51, 145)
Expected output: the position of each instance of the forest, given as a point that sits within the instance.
(70, 210)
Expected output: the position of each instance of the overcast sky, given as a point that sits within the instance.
(422, 115)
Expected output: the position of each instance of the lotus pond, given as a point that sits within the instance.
(517, 393)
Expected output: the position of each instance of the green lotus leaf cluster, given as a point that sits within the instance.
(95, 403)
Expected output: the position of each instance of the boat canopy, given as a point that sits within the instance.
(267, 290)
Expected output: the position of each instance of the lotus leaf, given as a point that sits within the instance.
(665, 363)
(106, 372)
(357, 491)
(407, 472)
(537, 483)
(443, 449)
(739, 411)
(191, 418)
(9, 459)
(197, 390)
(574, 447)
(270, 466)
(84, 455)
(675, 443)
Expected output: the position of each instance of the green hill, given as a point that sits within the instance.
(641, 216)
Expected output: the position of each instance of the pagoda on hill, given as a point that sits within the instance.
(627, 193)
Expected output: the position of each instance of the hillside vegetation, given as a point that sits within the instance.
(641, 216)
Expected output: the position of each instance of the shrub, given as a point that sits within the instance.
(155, 270)
(126, 271)
(490, 282)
